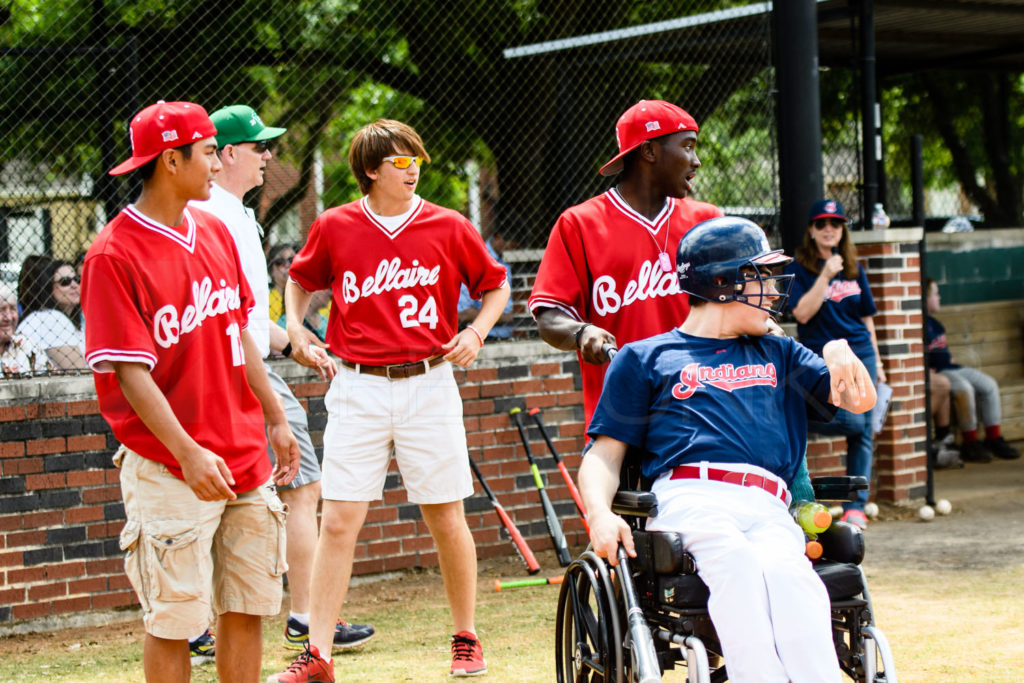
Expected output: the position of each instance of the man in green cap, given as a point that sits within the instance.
(243, 145)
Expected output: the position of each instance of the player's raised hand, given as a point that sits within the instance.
(851, 385)
(464, 348)
(592, 341)
(207, 475)
(286, 453)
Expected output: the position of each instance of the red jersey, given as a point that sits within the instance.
(395, 292)
(175, 299)
(604, 265)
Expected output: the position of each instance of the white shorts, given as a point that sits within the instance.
(419, 418)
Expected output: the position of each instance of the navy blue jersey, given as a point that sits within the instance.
(683, 399)
(939, 357)
(841, 314)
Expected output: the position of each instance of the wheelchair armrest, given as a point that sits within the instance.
(635, 503)
(842, 542)
(838, 488)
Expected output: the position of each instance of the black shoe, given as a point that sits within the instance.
(1001, 449)
(975, 451)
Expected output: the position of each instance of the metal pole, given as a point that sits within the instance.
(799, 115)
(917, 181)
(871, 144)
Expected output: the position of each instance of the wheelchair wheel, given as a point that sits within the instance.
(588, 630)
(879, 654)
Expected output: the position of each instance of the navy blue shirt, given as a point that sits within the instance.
(841, 314)
(939, 357)
(683, 399)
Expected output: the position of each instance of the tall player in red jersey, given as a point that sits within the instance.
(608, 275)
(394, 264)
(182, 384)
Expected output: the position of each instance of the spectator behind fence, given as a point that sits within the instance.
(51, 299)
(833, 301)
(974, 394)
(18, 355)
(279, 260)
(469, 307)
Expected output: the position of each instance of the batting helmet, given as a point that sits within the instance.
(717, 257)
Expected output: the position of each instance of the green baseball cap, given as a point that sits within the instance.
(240, 123)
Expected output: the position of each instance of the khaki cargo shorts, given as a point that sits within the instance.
(186, 557)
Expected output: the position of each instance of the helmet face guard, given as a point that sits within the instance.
(717, 259)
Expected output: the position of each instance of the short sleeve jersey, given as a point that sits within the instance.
(602, 266)
(846, 304)
(684, 399)
(939, 357)
(241, 223)
(176, 300)
(394, 292)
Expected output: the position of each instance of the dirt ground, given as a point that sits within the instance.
(984, 531)
(983, 535)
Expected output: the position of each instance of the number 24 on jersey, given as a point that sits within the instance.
(413, 315)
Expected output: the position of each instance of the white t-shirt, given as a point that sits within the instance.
(49, 328)
(241, 223)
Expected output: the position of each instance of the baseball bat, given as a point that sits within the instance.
(554, 528)
(525, 554)
(573, 491)
(499, 585)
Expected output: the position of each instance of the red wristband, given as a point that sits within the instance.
(477, 333)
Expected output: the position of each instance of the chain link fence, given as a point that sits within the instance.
(516, 101)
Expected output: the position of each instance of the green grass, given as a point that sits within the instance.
(943, 625)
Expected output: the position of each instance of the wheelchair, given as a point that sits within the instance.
(631, 626)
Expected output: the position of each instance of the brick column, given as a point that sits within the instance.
(892, 260)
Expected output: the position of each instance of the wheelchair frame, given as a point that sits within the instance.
(611, 626)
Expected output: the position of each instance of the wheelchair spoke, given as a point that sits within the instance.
(582, 638)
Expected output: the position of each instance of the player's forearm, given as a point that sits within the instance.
(599, 474)
(296, 303)
(278, 337)
(150, 404)
(492, 303)
(256, 374)
(558, 329)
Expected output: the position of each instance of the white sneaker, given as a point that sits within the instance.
(948, 454)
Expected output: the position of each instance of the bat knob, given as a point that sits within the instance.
(515, 410)
(534, 411)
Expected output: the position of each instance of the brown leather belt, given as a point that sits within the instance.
(393, 372)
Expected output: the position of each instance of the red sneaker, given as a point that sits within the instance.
(467, 655)
(308, 667)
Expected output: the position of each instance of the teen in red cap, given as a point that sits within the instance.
(182, 385)
(608, 275)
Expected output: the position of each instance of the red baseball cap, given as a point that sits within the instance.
(161, 126)
(646, 120)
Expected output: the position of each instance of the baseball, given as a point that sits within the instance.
(943, 506)
(871, 510)
(836, 511)
(926, 513)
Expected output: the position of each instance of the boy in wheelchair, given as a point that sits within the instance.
(721, 410)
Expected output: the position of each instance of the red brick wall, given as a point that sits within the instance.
(61, 512)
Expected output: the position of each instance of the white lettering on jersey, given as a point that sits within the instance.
(840, 289)
(390, 275)
(651, 281)
(169, 324)
(727, 377)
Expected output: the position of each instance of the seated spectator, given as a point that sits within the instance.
(50, 295)
(975, 395)
(279, 260)
(947, 453)
(469, 307)
(18, 355)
